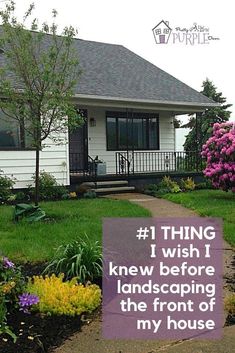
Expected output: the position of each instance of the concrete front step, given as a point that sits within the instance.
(106, 183)
(113, 190)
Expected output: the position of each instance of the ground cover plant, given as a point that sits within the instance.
(211, 203)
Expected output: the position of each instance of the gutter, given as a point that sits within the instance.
(146, 101)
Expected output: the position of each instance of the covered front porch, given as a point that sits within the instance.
(120, 141)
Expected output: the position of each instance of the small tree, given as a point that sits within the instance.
(37, 79)
(201, 128)
(219, 152)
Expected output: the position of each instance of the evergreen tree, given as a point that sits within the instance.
(202, 127)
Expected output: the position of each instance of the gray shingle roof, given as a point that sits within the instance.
(114, 71)
(110, 70)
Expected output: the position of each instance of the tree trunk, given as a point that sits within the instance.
(36, 194)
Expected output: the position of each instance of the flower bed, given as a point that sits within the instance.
(24, 301)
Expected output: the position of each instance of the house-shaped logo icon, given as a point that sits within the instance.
(162, 32)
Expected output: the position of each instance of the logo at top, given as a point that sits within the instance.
(193, 35)
(162, 32)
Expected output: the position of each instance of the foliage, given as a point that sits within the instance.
(58, 297)
(229, 304)
(219, 152)
(151, 189)
(45, 67)
(81, 258)
(90, 194)
(201, 129)
(204, 185)
(187, 184)
(11, 285)
(29, 212)
(6, 184)
(168, 184)
(49, 189)
(20, 196)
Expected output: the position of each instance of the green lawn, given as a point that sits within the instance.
(212, 203)
(36, 242)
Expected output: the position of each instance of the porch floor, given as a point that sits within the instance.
(76, 178)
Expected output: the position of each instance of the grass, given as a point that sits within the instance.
(37, 241)
(211, 203)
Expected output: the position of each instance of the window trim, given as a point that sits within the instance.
(132, 115)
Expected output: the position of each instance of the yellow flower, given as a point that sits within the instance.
(72, 195)
(64, 298)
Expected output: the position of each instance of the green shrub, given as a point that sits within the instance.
(91, 194)
(151, 189)
(204, 185)
(6, 185)
(162, 192)
(20, 196)
(59, 297)
(168, 184)
(187, 184)
(81, 258)
(49, 189)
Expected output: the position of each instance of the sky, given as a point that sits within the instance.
(130, 23)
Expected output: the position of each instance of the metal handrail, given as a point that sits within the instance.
(122, 164)
(158, 161)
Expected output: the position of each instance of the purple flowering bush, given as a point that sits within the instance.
(219, 152)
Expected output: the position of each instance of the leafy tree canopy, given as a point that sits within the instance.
(38, 74)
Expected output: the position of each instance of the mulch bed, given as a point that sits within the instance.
(36, 333)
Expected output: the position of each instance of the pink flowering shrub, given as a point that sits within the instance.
(219, 152)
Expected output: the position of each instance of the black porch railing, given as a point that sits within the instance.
(133, 162)
(148, 162)
(82, 165)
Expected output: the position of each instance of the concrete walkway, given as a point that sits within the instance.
(90, 340)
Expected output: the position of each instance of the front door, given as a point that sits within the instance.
(78, 146)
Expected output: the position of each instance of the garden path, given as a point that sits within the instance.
(90, 340)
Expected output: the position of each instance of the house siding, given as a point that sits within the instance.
(97, 136)
(20, 165)
(54, 159)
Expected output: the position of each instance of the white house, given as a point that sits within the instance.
(128, 106)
